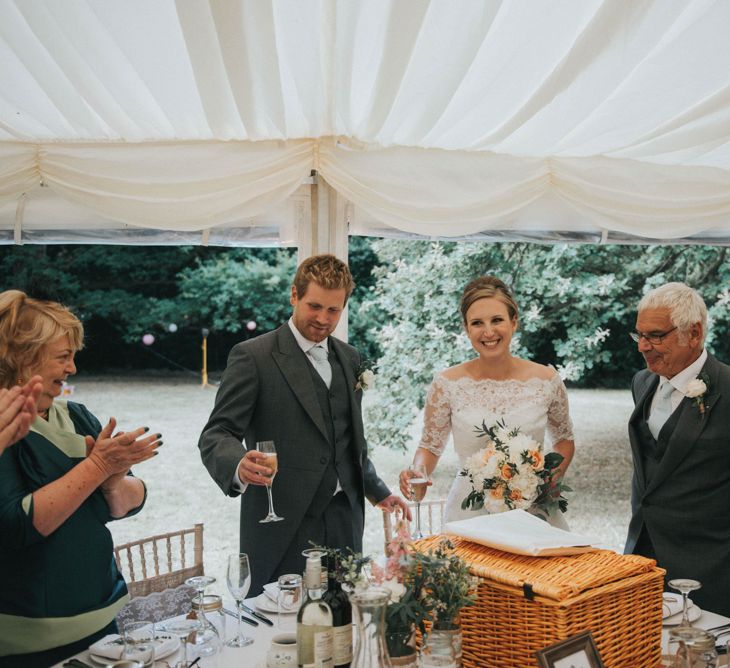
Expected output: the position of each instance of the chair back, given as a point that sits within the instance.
(432, 518)
(161, 562)
(157, 606)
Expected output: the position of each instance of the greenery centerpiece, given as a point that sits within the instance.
(448, 586)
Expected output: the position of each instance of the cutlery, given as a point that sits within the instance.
(719, 628)
(258, 615)
(248, 620)
(75, 663)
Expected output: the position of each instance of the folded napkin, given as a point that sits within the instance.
(672, 604)
(112, 646)
(272, 591)
(519, 532)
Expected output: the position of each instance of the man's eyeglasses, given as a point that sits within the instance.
(655, 338)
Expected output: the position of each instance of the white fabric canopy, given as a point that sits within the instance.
(585, 119)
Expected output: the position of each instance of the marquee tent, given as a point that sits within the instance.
(296, 122)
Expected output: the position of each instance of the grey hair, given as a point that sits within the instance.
(686, 306)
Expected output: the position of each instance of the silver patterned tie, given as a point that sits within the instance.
(320, 360)
(661, 408)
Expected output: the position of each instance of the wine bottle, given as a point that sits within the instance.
(314, 621)
(341, 608)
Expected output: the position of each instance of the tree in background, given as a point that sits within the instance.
(577, 307)
(122, 293)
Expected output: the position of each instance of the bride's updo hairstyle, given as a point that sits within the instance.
(27, 325)
(485, 287)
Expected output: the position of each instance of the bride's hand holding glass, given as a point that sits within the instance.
(410, 491)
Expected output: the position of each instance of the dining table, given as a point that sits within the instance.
(254, 655)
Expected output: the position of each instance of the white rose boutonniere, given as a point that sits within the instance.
(365, 376)
(696, 389)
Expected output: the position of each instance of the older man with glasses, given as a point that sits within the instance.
(680, 441)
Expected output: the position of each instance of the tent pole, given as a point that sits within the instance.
(327, 231)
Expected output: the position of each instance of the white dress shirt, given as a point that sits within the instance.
(679, 382)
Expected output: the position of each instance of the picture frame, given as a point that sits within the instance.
(578, 651)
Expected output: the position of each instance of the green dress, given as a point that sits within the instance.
(64, 587)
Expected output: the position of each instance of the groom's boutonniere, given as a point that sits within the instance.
(365, 376)
(697, 389)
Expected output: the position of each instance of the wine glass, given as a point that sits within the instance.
(272, 462)
(206, 631)
(684, 587)
(183, 628)
(418, 481)
(239, 581)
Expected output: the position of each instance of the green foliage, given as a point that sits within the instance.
(577, 305)
(123, 292)
(447, 583)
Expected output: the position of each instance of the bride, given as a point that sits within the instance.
(493, 386)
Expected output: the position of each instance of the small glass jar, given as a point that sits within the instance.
(209, 640)
(702, 651)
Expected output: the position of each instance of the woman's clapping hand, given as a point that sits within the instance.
(115, 455)
(18, 410)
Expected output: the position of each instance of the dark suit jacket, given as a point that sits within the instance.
(686, 506)
(267, 393)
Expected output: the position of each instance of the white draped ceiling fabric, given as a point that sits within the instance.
(153, 121)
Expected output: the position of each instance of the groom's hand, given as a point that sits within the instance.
(395, 503)
(251, 472)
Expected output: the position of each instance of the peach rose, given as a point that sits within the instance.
(506, 472)
(515, 495)
(537, 459)
(497, 492)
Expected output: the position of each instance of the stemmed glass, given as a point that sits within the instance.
(684, 587)
(182, 628)
(272, 462)
(418, 481)
(239, 581)
(205, 629)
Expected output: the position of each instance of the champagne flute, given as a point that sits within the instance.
(272, 462)
(418, 481)
(684, 587)
(239, 581)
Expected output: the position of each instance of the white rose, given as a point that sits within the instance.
(396, 589)
(695, 388)
(522, 442)
(367, 379)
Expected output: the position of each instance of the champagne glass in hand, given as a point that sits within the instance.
(272, 462)
(417, 481)
(239, 581)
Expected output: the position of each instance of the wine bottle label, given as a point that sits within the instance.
(315, 647)
(343, 644)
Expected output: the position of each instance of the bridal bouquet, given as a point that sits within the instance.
(511, 473)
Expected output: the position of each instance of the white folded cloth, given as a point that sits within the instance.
(272, 591)
(672, 604)
(112, 646)
(519, 532)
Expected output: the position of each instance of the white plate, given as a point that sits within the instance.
(693, 614)
(265, 604)
(106, 660)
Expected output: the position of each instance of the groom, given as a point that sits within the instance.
(297, 386)
(680, 441)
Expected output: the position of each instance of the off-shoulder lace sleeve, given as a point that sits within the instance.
(436, 418)
(559, 424)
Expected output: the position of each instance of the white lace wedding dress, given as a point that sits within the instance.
(536, 406)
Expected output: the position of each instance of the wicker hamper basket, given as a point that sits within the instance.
(527, 603)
